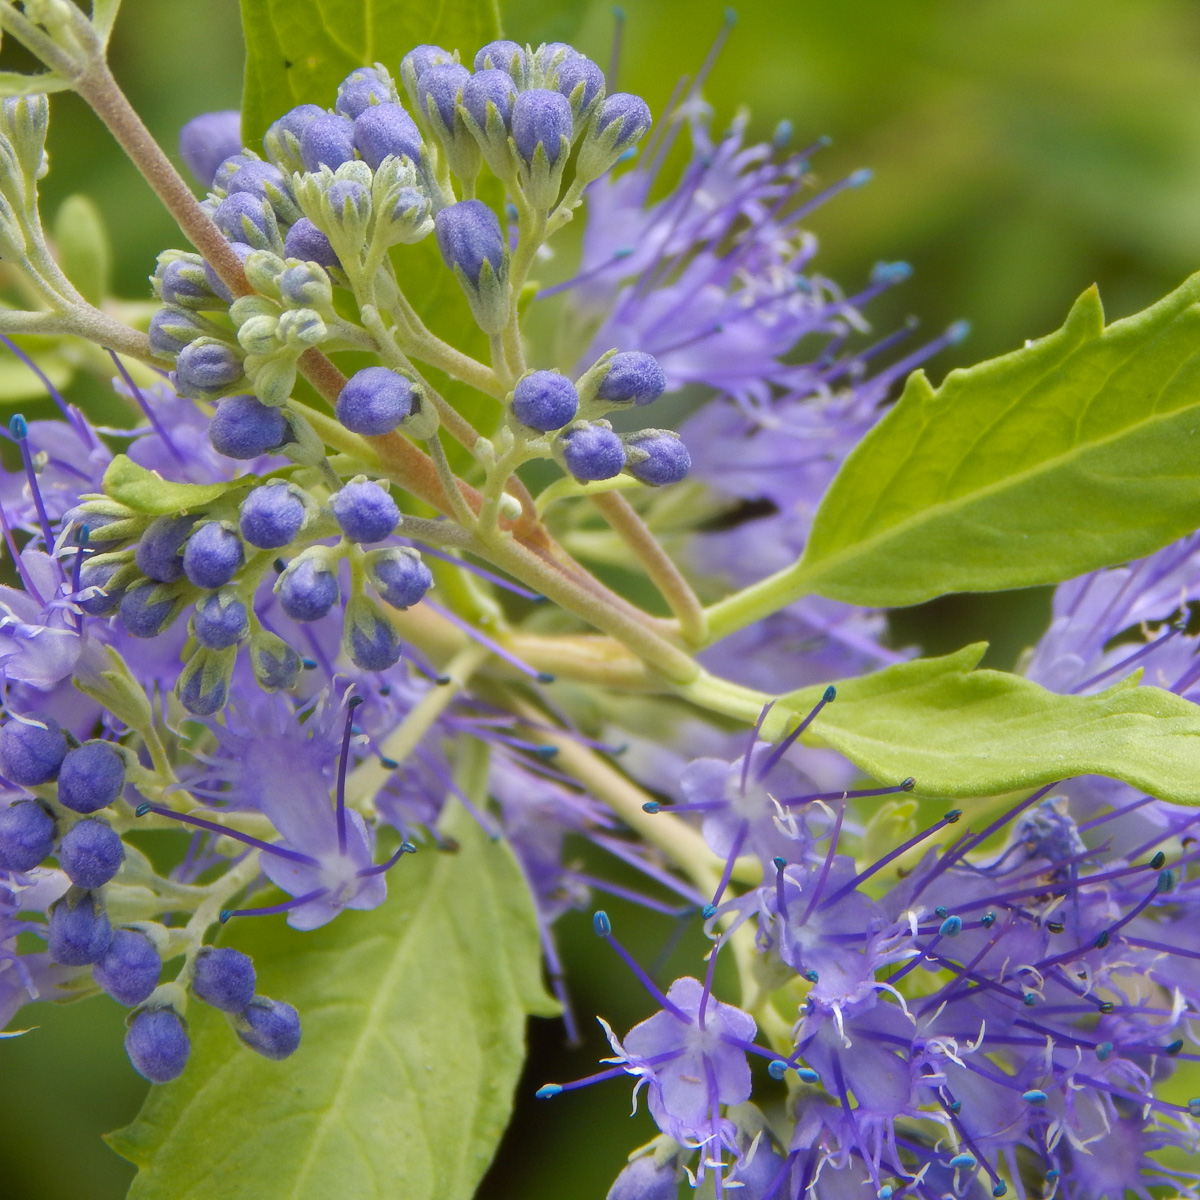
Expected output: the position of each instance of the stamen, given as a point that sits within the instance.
(780, 899)
(727, 872)
(708, 981)
(614, 54)
(762, 716)
(490, 576)
(949, 819)
(1141, 652)
(603, 929)
(271, 909)
(20, 432)
(343, 760)
(788, 742)
(405, 848)
(498, 650)
(624, 893)
(222, 831)
(68, 413)
(155, 424)
(797, 801)
(819, 886)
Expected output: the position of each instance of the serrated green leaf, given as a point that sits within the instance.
(148, 492)
(414, 1021)
(1079, 451)
(962, 732)
(298, 51)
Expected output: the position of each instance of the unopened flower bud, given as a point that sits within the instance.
(591, 451)
(263, 268)
(203, 685)
(327, 141)
(172, 328)
(657, 457)
(346, 209)
(416, 62)
(508, 57)
(368, 637)
(363, 88)
(221, 620)
(181, 280)
(439, 91)
(472, 246)
(244, 217)
(307, 243)
(267, 182)
(398, 575)
(282, 140)
(386, 129)
(206, 141)
(205, 369)
(276, 665)
(374, 401)
(582, 82)
(619, 124)
(306, 286)
(157, 1044)
(308, 588)
(300, 328)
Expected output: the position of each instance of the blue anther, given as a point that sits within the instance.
(1102, 939)
(651, 806)
(1158, 861)
(777, 1069)
(1194, 1106)
(1104, 1050)
(941, 910)
(708, 910)
(950, 927)
(1034, 1096)
(963, 1162)
(142, 810)
(548, 1091)
(958, 332)
(1166, 881)
(807, 1075)
(861, 177)
(601, 924)
(780, 862)
(18, 427)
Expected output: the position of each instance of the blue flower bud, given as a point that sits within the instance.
(269, 1027)
(642, 1179)
(581, 82)
(386, 129)
(130, 968)
(360, 90)
(469, 237)
(349, 203)
(592, 451)
(542, 118)
(370, 639)
(228, 167)
(220, 621)
(90, 853)
(157, 1044)
(77, 931)
(258, 179)
(215, 282)
(508, 57)
(419, 60)
(629, 115)
(276, 665)
(171, 329)
(657, 457)
(306, 286)
(31, 754)
(545, 400)
(633, 377)
(282, 139)
(159, 554)
(374, 401)
(100, 575)
(308, 589)
(438, 90)
(147, 609)
(365, 511)
(184, 283)
(327, 141)
(550, 56)
(493, 87)
(203, 685)
(213, 555)
(206, 368)
(243, 428)
(26, 835)
(224, 978)
(91, 777)
(306, 242)
(398, 575)
(243, 217)
(272, 516)
(207, 140)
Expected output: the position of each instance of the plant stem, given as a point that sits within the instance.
(664, 574)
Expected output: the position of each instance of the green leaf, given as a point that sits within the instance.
(148, 492)
(1079, 451)
(84, 252)
(414, 1021)
(298, 51)
(18, 382)
(961, 732)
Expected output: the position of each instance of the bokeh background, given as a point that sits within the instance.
(1022, 151)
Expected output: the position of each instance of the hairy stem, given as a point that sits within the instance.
(664, 574)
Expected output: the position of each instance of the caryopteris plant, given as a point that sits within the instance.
(356, 610)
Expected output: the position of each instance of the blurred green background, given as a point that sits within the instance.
(1022, 151)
